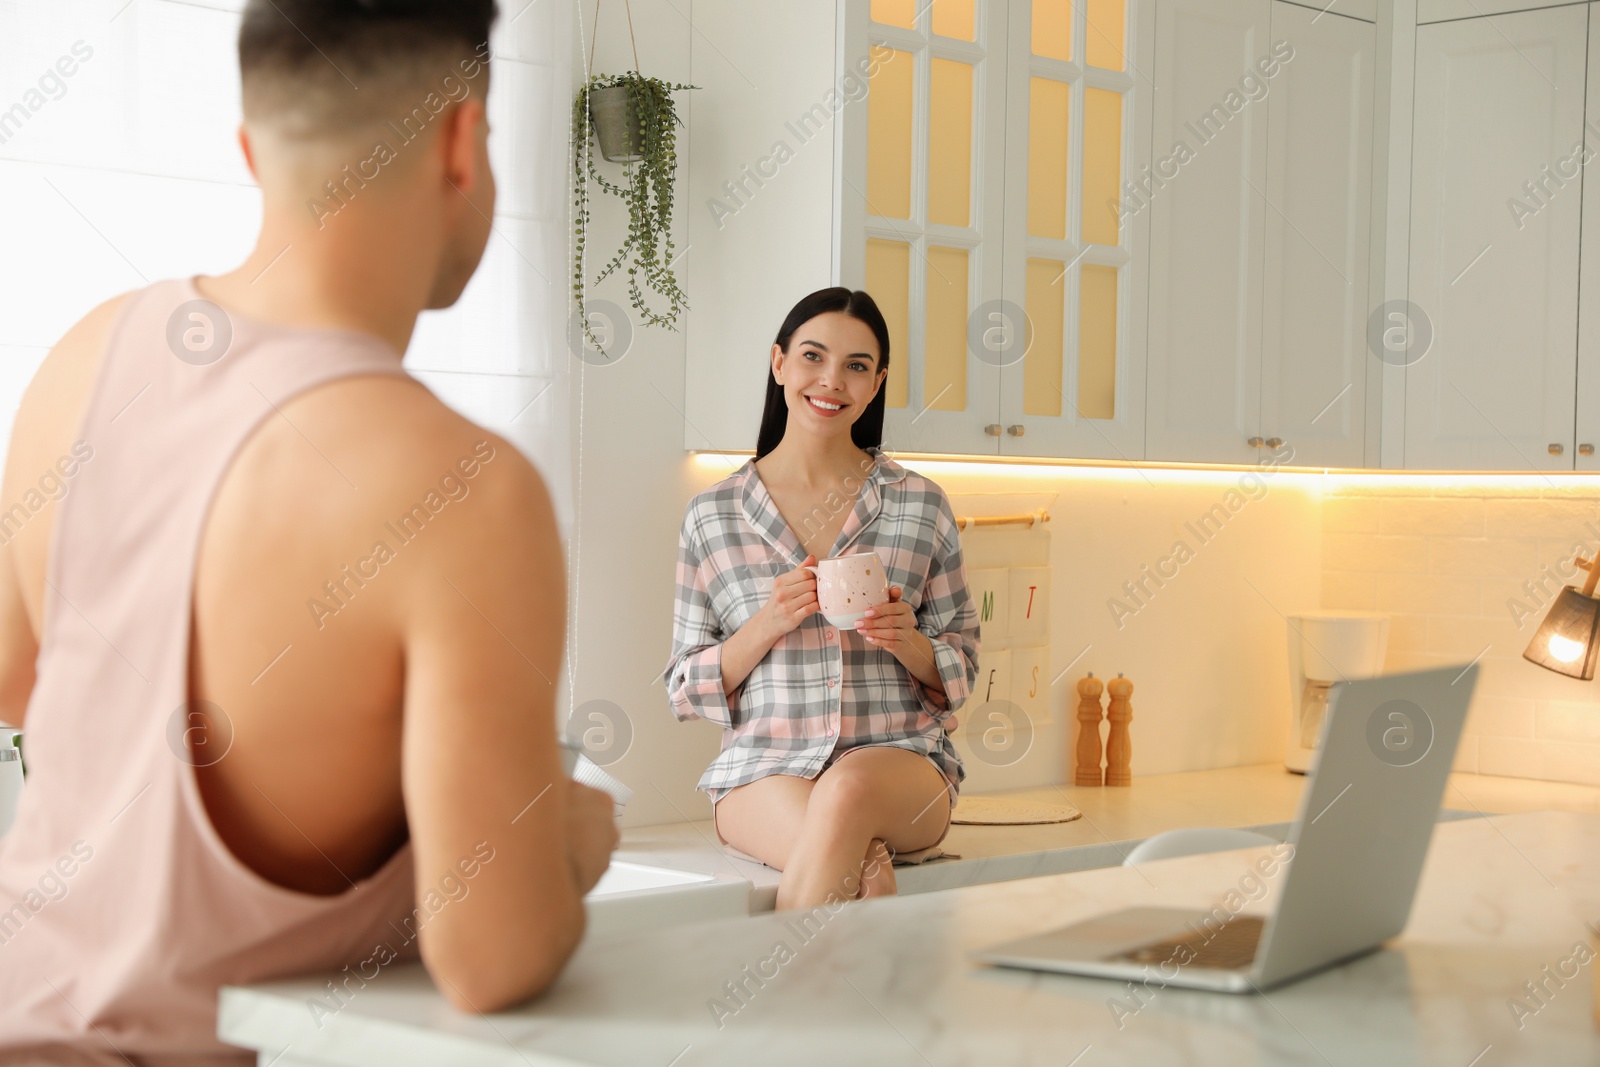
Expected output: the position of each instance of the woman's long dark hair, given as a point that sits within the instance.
(867, 431)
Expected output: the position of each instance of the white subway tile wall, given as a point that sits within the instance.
(1466, 567)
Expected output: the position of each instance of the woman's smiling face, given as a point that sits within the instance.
(830, 372)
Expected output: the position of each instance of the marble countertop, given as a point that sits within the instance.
(1263, 796)
(888, 981)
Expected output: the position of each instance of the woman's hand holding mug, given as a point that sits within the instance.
(793, 599)
(892, 626)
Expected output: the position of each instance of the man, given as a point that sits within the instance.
(280, 627)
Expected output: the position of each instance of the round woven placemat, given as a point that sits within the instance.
(1002, 811)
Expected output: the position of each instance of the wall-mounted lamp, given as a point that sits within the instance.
(1569, 638)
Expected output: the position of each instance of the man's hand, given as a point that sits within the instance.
(591, 833)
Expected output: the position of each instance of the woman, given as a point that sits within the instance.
(835, 754)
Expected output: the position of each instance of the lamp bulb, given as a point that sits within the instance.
(1566, 649)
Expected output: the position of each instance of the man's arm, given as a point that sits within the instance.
(47, 421)
(18, 649)
(484, 630)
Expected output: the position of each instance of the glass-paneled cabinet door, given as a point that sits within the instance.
(919, 198)
(1066, 338)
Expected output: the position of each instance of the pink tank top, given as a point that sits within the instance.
(121, 911)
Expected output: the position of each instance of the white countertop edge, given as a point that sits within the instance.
(956, 873)
(255, 1018)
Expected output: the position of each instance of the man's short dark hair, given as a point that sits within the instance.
(323, 66)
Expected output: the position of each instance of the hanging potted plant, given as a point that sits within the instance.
(635, 122)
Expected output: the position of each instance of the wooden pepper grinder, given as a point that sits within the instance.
(1119, 745)
(1089, 715)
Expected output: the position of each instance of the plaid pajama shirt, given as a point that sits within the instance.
(821, 691)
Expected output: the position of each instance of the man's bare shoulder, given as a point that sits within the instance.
(380, 458)
(53, 404)
(401, 441)
(85, 341)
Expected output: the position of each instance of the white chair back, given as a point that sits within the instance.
(1192, 842)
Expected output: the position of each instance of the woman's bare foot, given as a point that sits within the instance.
(877, 872)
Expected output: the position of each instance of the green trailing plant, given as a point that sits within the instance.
(646, 189)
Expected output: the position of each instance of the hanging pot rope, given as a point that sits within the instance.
(627, 6)
(632, 118)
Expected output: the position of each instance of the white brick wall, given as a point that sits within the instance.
(1449, 558)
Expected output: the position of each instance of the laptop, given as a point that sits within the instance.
(1365, 820)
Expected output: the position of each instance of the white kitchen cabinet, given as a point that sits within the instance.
(1588, 406)
(790, 191)
(1494, 251)
(996, 364)
(1203, 373)
(920, 202)
(1259, 254)
(912, 192)
(1078, 121)
(1316, 289)
(1448, 10)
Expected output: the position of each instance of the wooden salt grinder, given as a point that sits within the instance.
(1089, 714)
(1119, 745)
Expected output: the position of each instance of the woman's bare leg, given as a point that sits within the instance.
(764, 818)
(889, 795)
(877, 874)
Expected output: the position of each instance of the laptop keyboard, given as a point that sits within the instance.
(1232, 947)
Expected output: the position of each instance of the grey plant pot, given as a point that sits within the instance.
(616, 124)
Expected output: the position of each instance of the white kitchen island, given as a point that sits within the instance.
(888, 982)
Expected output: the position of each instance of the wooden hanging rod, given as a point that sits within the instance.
(1029, 520)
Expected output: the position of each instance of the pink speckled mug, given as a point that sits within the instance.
(848, 585)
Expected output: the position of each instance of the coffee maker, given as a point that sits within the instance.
(1326, 647)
